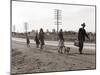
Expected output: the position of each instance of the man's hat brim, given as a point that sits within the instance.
(83, 24)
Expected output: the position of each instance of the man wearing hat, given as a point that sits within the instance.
(81, 37)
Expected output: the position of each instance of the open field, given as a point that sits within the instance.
(31, 59)
(52, 36)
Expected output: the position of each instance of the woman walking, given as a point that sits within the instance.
(61, 41)
(37, 40)
(41, 38)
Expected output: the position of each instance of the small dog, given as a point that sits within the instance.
(64, 50)
(67, 50)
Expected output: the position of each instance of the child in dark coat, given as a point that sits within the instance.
(28, 41)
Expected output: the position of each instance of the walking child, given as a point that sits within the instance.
(28, 41)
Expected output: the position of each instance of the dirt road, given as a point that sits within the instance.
(31, 59)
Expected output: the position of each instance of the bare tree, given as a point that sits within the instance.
(47, 31)
(53, 30)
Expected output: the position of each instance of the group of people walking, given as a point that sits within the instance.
(39, 39)
(81, 39)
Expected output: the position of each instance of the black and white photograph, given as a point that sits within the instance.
(52, 37)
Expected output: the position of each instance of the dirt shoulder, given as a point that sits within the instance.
(31, 60)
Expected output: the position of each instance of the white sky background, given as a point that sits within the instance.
(41, 15)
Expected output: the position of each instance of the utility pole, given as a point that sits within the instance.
(57, 19)
(26, 27)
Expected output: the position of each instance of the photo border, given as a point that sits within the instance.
(58, 4)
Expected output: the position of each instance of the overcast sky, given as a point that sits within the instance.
(41, 15)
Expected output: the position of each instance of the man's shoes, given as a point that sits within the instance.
(80, 52)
